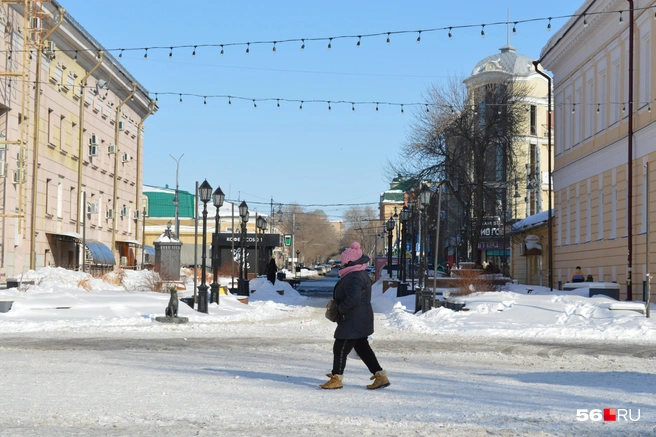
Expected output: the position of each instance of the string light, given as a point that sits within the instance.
(156, 98)
(621, 19)
(585, 21)
(624, 107)
(419, 37)
(303, 44)
(222, 51)
(598, 107)
(75, 58)
(229, 100)
(9, 57)
(193, 54)
(180, 98)
(274, 47)
(329, 108)
(330, 44)
(278, 103)
(573, 108)
(388, 37)
(146, 54)
(301, 106)
(401, 108)
(120, 55)
(549, 25)
(352, 106)
(254, 104)
(515, 28)
(359, 39)
(171, 53)
(248, 48)
(482, 30)
(205, 100)
(450, 34)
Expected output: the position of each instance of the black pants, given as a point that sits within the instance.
(341, 349)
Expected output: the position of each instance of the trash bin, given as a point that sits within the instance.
(188, 300)
(455, 303)
(5, 305)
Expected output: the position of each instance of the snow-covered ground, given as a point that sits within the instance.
(81, 356)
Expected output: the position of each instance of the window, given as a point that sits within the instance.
(48, 196)
(602, 101)
(600, 209)
(50, 127)
(60, 197)
(615, 103)
(589, 111)
(534, 120)
(645, 70)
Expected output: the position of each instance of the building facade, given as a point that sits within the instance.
(71, 121)
(604, 88)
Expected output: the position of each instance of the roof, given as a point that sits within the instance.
(507, 61)
(101, 254)
(531, 222)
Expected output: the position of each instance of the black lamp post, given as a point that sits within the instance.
(205, 192)
(404, 217)
(390, 229)
(297, 268)
(243, 289)
(217, 198)
(260, 226)
(424, 202)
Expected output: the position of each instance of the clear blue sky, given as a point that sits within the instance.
(313, 156)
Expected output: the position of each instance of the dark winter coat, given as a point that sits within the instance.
(271, 270)
(353, 296)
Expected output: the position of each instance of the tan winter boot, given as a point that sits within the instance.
(333, 383)
(380, 380)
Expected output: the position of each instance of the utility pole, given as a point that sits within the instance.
(176, 200)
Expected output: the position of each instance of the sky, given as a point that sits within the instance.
(312, 157)
(93, 361)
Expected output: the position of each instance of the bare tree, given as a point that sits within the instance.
(468, 140)
(362, 225)
(314, 236)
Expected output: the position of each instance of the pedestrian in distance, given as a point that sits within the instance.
(356, 320)
(271, 270)
(577, 276)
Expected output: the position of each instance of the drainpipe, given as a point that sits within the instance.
(549, 218)
(629, 195)
(37, 117)
(115, 198)
(80, 148)
(137, 201)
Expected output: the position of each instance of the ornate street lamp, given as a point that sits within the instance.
(260, 226)
(390, 229)
(217, 198)
(404, 217)
(243, 289)
(205, 193)
(424, 202)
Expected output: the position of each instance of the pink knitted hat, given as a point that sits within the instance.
(352, 253)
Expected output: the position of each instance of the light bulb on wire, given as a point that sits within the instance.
(482, 30)
(359, 39)
(549, 25)
(302, 44)
(171, 53)
(146, 54)
(222, 51)
(388, 37)
(274, 47)
(450, 34)
(419, 37)
(330, 44)
(248, 48)
(515, 28)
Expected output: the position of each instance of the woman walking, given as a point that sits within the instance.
(356, 320)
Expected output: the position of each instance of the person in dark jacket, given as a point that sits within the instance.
(356, 320)
(271, 270)
(577, 276)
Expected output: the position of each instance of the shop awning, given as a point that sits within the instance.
(129, 242)
(100, 254)
(73, 237)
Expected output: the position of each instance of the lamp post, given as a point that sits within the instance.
(242, 288)
(176, 199)
(217, 198)
(424, 201)
(260, 225)
(404, 216)
(516, 196)
(390, 229)
(205, 193)
(297, 268)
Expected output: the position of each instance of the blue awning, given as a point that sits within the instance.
(100, 254)
(150, 251)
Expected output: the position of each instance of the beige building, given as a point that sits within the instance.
(605, 138)
(71, 120)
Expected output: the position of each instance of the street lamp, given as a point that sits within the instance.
(217, 198)
(242, 287)
(404, 217)
(390, 229)
(176, 199)
(205, 193)
(298, 267)
(424, 202)
(516, 196)
(260, 224)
